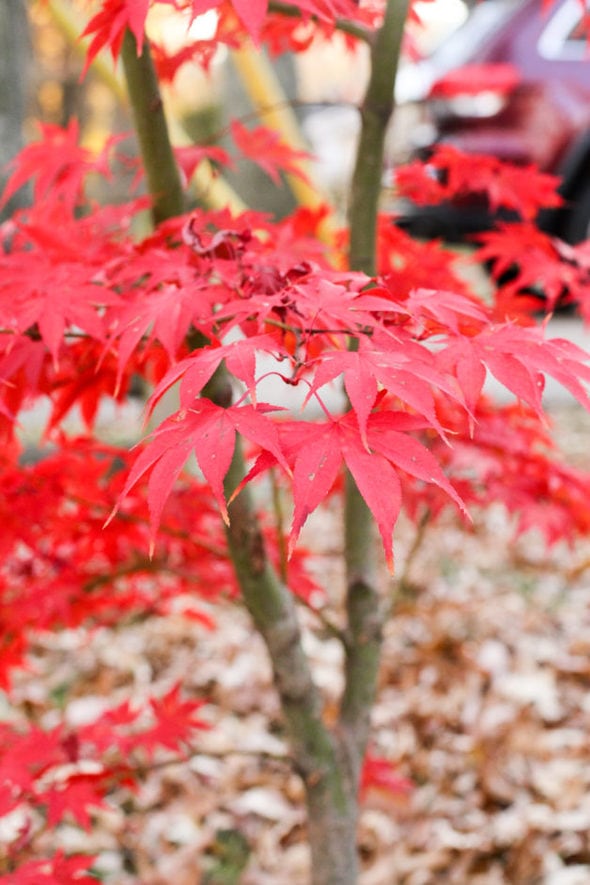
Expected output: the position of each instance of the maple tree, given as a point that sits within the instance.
(95, 534)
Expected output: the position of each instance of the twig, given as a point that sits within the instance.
(353, 29)
(329, 626)
(142, 769)
(403, 581)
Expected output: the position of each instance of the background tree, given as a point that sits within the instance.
(14, 62)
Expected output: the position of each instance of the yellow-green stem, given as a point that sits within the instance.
(376, 112)
(161, 169)
(366, 610)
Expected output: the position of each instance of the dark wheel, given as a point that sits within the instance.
(577, 223)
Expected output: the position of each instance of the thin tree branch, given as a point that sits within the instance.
(141, 769)
(403, 582)
(376, 112)
(353, 29)
(329, 626)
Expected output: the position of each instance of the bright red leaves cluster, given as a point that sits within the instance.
(66, 773)
(236, 19)
(243, 285)
(86, 310)
(450, 174)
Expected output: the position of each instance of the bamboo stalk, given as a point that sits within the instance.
(270, 102)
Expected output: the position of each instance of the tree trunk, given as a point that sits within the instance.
(329, 761)
(332, 837)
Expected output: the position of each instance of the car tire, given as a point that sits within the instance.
(577, 223)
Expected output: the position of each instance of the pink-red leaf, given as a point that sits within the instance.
(264, 147)
(497, 77)
(314, 472)
(209, 432)
(317, 452)
(109, 24)
(56, 870)
(379, 484)
(381, 774)
(74, 798)
(451, 174)
(189, 158)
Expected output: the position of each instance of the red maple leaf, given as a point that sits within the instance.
(472, 79)
(167, 64)
(408, 264)
(405, 368)
(57, 164)
(24, 757)
(317, 451)
(56, 870)
(534, 270)
(52, 295)
(176, 721)
(265, 147)
(506, 455)
(519, 358)
(277, 30)
(188, 158)
(209, 431)
(450, 173)
(381, 774)
(73, 798)
(109, 24)
(252, 14)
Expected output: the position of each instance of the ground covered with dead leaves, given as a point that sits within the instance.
(484, 704)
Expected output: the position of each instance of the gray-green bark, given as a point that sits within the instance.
(14, 58)
(366, 611)
(376, 112)
(319, 756)
(163, 177)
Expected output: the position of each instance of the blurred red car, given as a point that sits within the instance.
(514, 82)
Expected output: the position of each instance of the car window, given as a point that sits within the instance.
(463, 45)
(565, 38)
